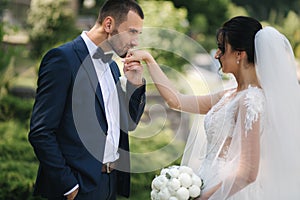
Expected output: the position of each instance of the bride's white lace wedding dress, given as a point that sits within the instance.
(232, 116)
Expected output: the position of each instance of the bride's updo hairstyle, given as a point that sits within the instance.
(239, 32)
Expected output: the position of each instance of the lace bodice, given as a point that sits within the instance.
(221, 119)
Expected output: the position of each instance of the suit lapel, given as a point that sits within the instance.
(115, 71)
(86, 60)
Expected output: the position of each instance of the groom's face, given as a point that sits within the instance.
(126, 35)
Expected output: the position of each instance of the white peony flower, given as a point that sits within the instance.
(154, 195)
(173, 198)
(174, 172)
(172, 192)
(196, 180)
(159, 182)
(182, 193)
(155, 184)
(185, 180)
(163, 180)
(185, 169)
(174, 184)
(194, 191)
(164, 194)
(164, 171)
(152, 185)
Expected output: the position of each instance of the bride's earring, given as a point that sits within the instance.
(238, 57)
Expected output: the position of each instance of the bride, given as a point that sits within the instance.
(253, 130)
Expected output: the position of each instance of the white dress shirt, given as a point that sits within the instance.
(111, 104)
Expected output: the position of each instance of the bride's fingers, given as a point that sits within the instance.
(131, 59)
(130, 53)
(132, 65)
(133, 68)
(134, 54)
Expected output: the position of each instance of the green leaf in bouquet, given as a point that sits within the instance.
(168, 176)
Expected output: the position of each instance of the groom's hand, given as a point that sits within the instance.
(134, 72)
(72, 195)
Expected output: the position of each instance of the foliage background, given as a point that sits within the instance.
(50, 22)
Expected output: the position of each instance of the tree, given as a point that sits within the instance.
(51, 22)
(214, 12)
(205, 17)
(291, 28)
(167, 25)
(269, 9)
(6, 63)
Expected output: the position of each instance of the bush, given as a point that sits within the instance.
(4, 56)
(51, 22)
(15, 108)
(6, 59)
(18, 164)
(17, 180)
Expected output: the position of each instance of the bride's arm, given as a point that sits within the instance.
(174, 99)
(249, 157)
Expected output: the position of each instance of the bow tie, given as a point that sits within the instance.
(99, 54)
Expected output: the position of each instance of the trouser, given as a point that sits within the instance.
(106, 190)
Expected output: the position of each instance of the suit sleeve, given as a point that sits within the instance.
(137, 99)
(53, 85)
(134, 99)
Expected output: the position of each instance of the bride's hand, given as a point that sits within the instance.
(201, 198)
(138, 56)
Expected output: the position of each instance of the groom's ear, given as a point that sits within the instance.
(108, 24)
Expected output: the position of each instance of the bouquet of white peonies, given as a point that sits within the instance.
(176, 183)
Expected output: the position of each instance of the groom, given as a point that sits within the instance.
(82, 114)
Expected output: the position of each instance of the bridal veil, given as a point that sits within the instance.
(280, 141)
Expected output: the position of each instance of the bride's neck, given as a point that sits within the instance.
(245, 77)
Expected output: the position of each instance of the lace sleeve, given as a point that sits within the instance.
(254, 103)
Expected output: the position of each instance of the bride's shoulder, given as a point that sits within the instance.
(252, 104)
(253, 100)
(253, 95)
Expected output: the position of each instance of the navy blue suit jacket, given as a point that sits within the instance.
(68, 123)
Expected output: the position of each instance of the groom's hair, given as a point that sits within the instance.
(240, 33)
(118, 9)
